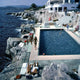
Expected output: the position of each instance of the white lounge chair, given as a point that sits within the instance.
(23, 69)
(21, 44)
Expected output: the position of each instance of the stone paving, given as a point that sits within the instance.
(47, 60)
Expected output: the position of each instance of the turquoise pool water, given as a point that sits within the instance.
(57, 42)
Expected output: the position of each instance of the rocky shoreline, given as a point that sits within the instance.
(27, 14)
(18, 54)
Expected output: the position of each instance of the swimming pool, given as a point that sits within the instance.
(57, 42)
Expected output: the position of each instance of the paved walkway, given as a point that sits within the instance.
(34, 53)
(70, 60)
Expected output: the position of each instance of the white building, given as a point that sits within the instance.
(60, 7)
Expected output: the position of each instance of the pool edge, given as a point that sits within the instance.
(34, 53)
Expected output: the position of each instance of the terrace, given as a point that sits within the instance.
(35, 53)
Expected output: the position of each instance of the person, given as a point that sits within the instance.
(29, 68)
(49, 18)
(43, 53)
(67, 26)
(25, 42)
(31, 38)
(33, 68)
(76, 29)
(35, 41)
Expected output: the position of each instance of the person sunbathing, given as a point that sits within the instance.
(32, 69)
(76, 29)
(29, 68)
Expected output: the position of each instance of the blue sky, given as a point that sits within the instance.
(21, 2)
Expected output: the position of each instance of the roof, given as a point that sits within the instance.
(56, 1)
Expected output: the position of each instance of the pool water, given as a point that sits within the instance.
(57, 42)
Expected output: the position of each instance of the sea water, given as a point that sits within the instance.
(8, 28)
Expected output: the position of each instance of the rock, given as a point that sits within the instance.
(25, 15)
(26, 28)
(12, 42)
(14, 51)
(24, 31)
(13, 14)
(22, 13)
(14, 68)
(16, 14)
(55, 72)
(13, 78)
(8, 13)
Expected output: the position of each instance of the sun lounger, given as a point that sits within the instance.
(21, 44)
(23, 69)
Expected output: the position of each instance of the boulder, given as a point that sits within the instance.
(55, 72)
(25, 15)
(12, 42)
(14, 51)
(8, 13)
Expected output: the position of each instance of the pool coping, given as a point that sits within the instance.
(34, 53)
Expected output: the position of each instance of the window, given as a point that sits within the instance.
(40, 12)
(52, 2)
(65, 8)
(60, 9)
(76, 0)
(66, 1)
(51, 8)
(55, 8)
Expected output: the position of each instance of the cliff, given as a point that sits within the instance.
(18, 54)
(12, 42)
